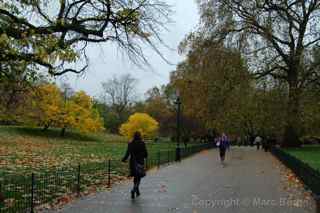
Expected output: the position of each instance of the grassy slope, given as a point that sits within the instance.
(308, 154)
(30, 149)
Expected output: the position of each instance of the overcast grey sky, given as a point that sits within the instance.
(106, 61)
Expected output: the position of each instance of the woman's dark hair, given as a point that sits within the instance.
(137, 136)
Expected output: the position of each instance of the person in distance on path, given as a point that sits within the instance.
(223, 144)
(258, 141)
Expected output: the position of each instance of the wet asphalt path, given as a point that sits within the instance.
(249, 183)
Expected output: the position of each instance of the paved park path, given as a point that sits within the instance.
(252, 181)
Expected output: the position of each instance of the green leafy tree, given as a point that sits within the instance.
(15, 90)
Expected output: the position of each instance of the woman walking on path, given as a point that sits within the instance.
(138, 153)
(223, 144)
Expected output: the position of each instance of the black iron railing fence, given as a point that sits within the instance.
(25, 193)
(309, 175)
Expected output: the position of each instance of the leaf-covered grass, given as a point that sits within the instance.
(25, 150)
(54, 162)
(308, 154)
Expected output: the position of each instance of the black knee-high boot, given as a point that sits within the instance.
(137, 186)
(134, 189)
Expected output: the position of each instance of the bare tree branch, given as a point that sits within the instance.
(126, 23)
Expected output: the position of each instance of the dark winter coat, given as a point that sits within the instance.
(137, 152)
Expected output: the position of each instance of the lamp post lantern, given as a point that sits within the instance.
(178, 149)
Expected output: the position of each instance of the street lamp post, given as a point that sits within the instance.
(63, 130)
(178, 149)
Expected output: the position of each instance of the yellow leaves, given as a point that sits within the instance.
(141, 122)
(81, 115)
(129, 15)
(48, 101)
(3, 38)
(42, 54)
(82, 99)
(67, 55)
(43, 48)
(131, 19)
(76, 112)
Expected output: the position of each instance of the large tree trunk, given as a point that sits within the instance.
(63, 132)
(46, 127)
(293, 124)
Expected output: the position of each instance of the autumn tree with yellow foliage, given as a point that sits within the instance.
(79, 113)
(141, 122)
(49, 109)
(47, 104)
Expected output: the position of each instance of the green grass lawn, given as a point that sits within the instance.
(308, 154)
(24, 149)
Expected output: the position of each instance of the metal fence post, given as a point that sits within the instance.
(159, 159)
(2, 198)
(32, 192)
(78, 181)
(109, 173)
(178, 154)
(147, 165)
(317, 198)
(168, 156)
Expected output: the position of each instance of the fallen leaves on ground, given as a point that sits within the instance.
(297, 195)
(163, 188)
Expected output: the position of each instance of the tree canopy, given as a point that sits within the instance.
(278, 39)
(210, 82)
(141, 122)
(53, 34)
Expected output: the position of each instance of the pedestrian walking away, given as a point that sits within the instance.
(138, 153)
(258, 141)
